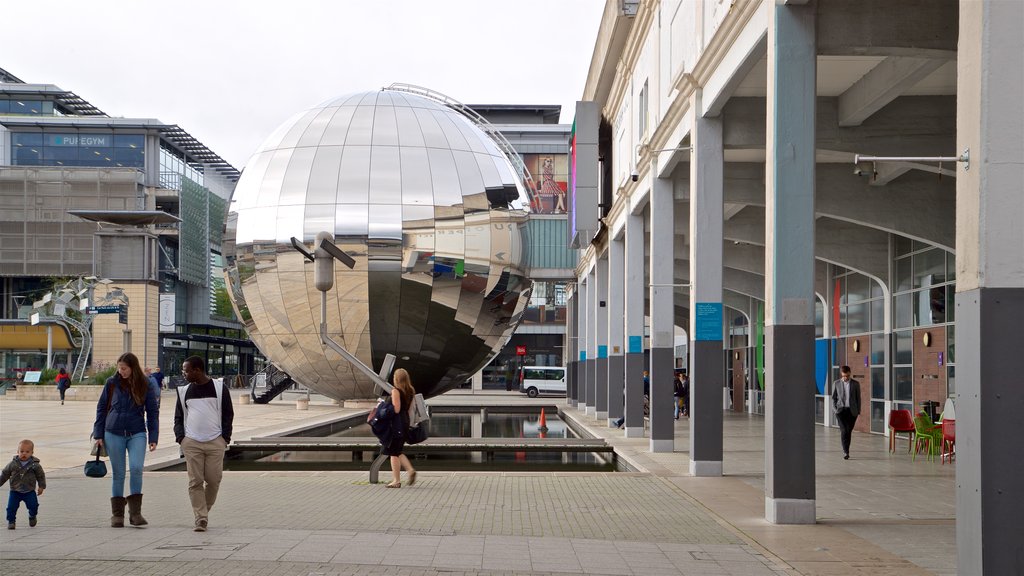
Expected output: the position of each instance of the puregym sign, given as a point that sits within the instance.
(93, 140)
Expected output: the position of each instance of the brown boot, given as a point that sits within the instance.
(117, 511)
(135, 510)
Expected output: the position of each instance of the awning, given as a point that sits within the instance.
(126, 217)
(20, 335)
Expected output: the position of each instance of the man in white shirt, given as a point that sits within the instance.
(203, 418)
(846, 405)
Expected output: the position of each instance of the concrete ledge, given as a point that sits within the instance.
(86, 393)
(602, 414)
(789, 511)
(706, 468)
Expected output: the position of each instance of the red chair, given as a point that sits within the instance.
(948, 439)
(900, 421)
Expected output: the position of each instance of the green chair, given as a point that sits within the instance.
(927, 435)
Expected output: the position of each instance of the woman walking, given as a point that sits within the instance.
(128, 408)
(402, 395)
(63, 383)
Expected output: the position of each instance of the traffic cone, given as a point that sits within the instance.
(543, 421)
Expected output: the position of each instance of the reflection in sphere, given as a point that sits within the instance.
(432, 212)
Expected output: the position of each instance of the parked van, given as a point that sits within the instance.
(534, 380)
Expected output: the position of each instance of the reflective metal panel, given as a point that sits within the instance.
(429, 208)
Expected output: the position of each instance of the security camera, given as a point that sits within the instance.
(634, 176)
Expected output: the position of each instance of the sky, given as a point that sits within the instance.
(230, 72)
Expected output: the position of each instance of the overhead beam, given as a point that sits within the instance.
(883, 84)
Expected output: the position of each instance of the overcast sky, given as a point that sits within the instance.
(230, 72)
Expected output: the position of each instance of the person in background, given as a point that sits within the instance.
(203, 421)
(158, 375)
(846, 404)
(677, 394)
(402, 395)
(63, 383)
(127, 411)
(25, 473)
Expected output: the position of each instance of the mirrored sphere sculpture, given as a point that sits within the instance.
(433, 213)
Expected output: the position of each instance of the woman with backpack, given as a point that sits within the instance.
(63, 383)
(402, 395)
(128, 410)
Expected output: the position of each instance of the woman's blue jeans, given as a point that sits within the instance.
(135, 446)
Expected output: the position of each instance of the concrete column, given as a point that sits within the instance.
(707, 378)
(616, 361)
(789, 269)
(601, 338)
(584, 344)
(570, 353)
(990, 288)
(49, 346)
(662, 312)
(591, 395)
(634, 313)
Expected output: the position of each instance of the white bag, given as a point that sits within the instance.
(419, 411)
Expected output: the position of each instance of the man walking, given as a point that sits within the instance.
(202, 426)
(846, 405)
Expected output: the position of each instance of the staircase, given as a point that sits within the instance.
(277, 381)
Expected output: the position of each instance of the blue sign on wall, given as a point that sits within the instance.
(708, 320)
(583, 355)
(636, 345)
(602, 351)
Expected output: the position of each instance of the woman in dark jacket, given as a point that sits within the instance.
(128, 408)
(402, 396)
(63, 383)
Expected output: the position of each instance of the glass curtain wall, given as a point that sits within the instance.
(861, 308)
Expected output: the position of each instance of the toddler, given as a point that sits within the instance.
(24, 472)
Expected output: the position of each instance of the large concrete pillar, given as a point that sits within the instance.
(634, 313)
(601, 337)
(990, 288)
(584, 343)
(591, 397)
(662, 312)
(707, 377)
(789, 269)
(570, 348)
(616, 323)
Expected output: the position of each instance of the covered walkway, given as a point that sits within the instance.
(875, 512)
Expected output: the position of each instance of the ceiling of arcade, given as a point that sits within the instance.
(884, 89)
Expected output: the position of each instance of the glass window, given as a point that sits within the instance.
(951, 303)
(60, 156)
(857, 287)
(903, 384)
(877, 315)
(950, 266)
(878, 383)
(903, 313)
(129, 157)
(903, 273)
(951, 381)
(31, 107)
(929, 268)
(878, 348)
(950, 344)
(48, 108)
(26, 156)
(129, 141)
(876, 289)
(856, 319)
(842, 289)
(903, 245)
(26, 139)
(878, 417)
(930, 306)
(904, 347)
(5, 106)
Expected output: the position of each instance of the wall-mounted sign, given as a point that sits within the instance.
(93, 140)
(167, 302)
(520, 350)
(708, 321)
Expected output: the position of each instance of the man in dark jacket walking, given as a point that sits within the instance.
(846, 405)
(203, 419)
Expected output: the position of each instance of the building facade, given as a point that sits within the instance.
(543, 145)
(135, 202)
(801, 186)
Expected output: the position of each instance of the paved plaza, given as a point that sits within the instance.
(878, 513)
